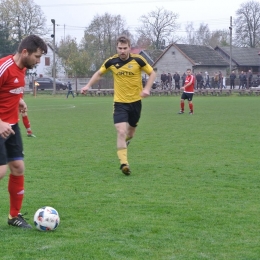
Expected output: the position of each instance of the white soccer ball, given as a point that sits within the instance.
(46, 219)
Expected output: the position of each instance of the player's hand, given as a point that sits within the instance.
(5, 129)
(145, 93)
(84, 90)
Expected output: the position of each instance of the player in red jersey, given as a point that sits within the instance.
(27, 124)
(12, 74)
(188, 91)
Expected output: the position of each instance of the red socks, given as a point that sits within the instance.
(191, 107)
(26, 122)
(182, 106)
(16, 192)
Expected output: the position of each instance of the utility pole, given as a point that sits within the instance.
(230, 56)
(54, 62)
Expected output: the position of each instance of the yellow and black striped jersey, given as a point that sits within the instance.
(127, 76)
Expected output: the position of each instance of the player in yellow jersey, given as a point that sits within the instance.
(128, 91)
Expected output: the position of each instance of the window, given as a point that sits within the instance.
(47, 61)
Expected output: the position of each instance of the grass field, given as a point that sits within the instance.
(193, 192)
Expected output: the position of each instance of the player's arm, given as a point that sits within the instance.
(146, 90)
(94, 79)
(22, 106)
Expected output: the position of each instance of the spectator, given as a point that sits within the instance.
(249, 79)
(220, 80)
(242, 80)
(176, 78)
(232, 79)
(164, 79)
(216, 80)
(207, 84)
(199, 80)
(70, 91)
(183, 77)
(169, 80)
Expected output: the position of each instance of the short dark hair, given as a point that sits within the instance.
(123, 39)
(32, 43)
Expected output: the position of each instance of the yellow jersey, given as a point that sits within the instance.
(127, 76)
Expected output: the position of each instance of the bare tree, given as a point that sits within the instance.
(247, 25)
(100, 36)
(158, 26)
(22, 17)
(203, 36)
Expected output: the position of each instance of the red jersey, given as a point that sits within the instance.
(190, 88)
(11, 89)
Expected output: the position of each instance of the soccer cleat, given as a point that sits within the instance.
(190, 113)
(181, 112)
(30, 134)
(18, 221)
(127, 142)
(125, 169)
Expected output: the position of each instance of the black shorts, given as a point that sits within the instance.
(187, 96)
(127, 112)
(11, 149)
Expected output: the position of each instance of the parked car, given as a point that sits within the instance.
(47, 83)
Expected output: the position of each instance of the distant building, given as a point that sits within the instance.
(243, 59)
(44, 68)
(180, 57)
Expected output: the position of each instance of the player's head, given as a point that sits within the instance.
(188, 71)
(30, 51)
(123, 47)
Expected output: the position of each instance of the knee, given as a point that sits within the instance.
(17, 167)
(121, 132)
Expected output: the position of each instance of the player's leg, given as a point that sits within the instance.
(134, 116)
(183, 97)
(27, 124)
(190, 96)
(121, 124)
(14, 149)
(121, 129)
(130, 134)
(3, 159)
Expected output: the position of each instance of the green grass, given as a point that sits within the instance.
(193, 193)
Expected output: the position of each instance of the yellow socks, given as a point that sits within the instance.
(122, 155)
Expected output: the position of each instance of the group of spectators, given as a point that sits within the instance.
(168, 81)
(217, 80)
(245, 79)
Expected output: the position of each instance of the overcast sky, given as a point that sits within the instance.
(72, 16)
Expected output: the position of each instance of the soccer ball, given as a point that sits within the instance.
(46, 218)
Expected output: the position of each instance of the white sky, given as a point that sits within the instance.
(73, 16)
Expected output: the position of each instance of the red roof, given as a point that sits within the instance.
(136, 50)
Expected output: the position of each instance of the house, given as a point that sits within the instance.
(243, 59)
(143, 53)
(180, 57)
(44, 68)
